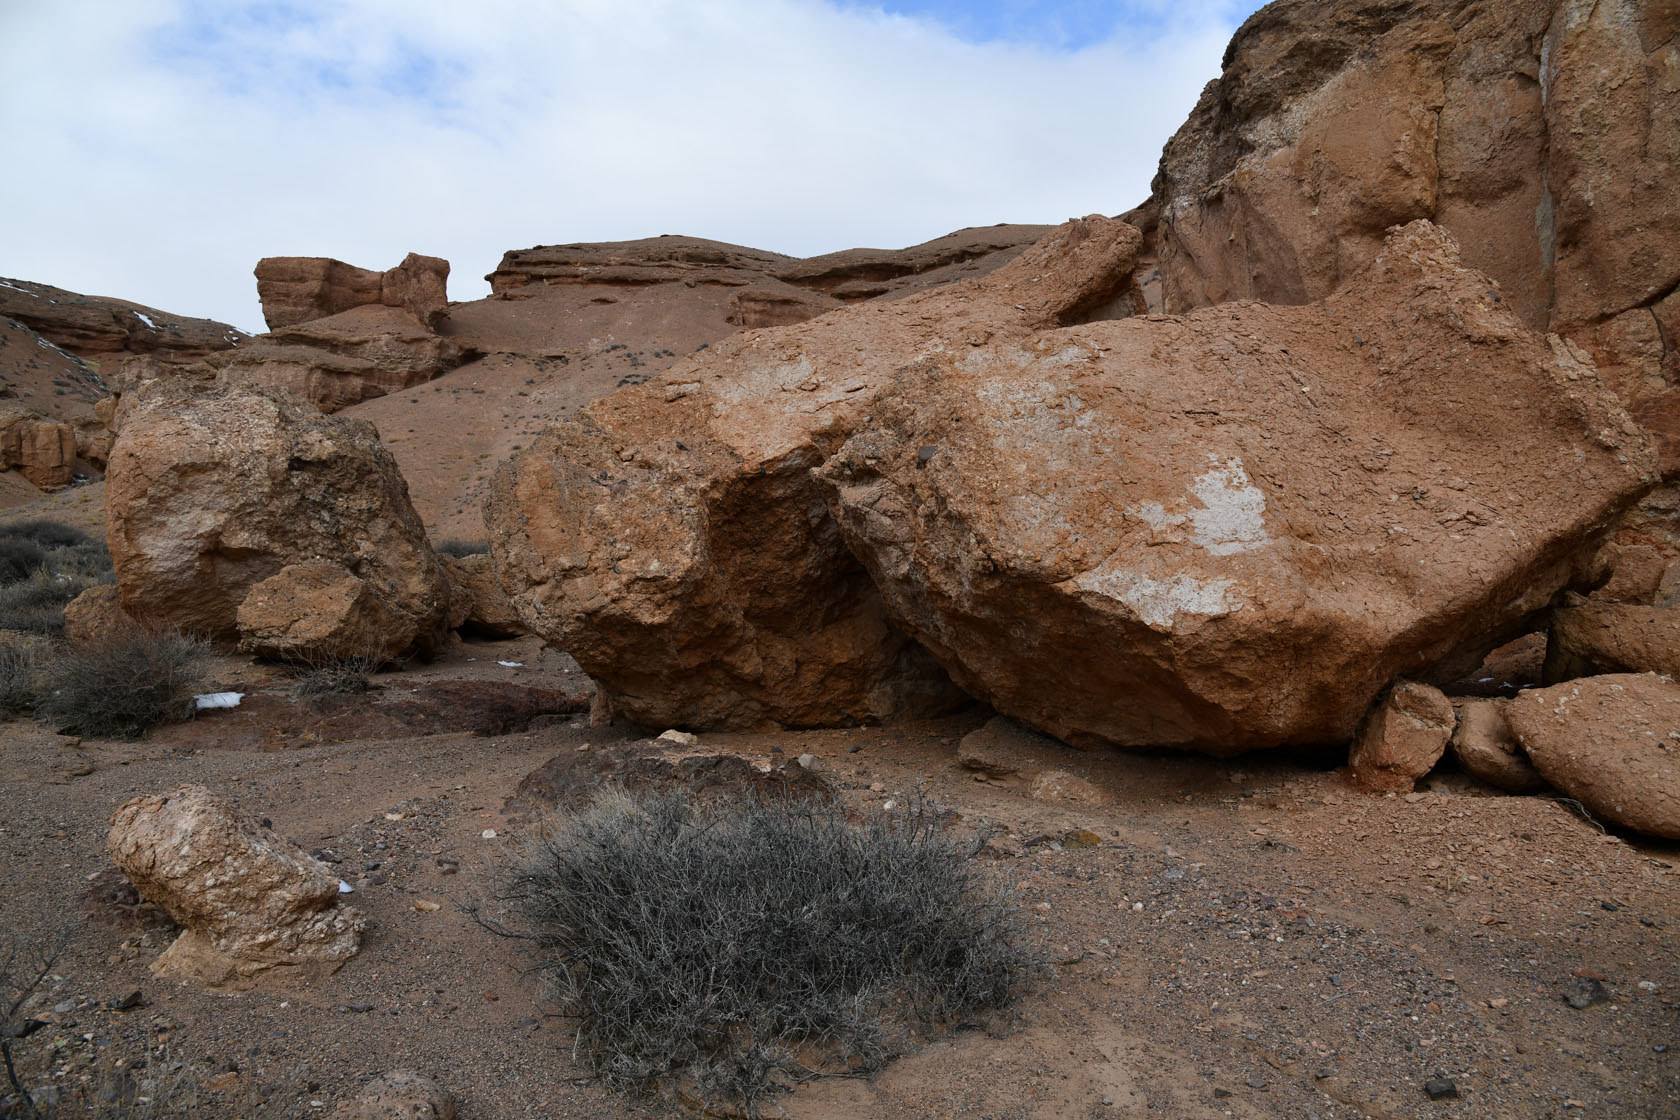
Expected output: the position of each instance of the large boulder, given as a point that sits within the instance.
(1402, 738)
(1539, 133)
(1598, 638)
(211, 492)
(672, 539)
(301, 289)
(41, 449)
(251, 900)
(1611, 742)
(1233, 529)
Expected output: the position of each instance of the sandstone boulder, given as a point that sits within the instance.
(477, 603)
(1233, 529)
(401, 1095)
(1539, 133)
(1402, 739)
(211, 492)
(1598, 638)
(1612, 743)
(251, 900)
(95, 617)
(319, 609)
(1483, 744)
(302, 289)
(671, 537)
(41, 449)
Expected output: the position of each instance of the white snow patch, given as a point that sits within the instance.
(345, 888)
(15, 288)
(144, 318)
(207, 700)
(512, 664)
(1159, 602)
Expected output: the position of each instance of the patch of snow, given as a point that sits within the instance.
(144, 318)
(512, 664)
(15, 288)
(344, 888)
(207, 700)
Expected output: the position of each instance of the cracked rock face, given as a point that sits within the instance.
(252, 901)
(1538, 133)
(1232, 530)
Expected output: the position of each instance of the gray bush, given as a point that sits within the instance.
(730, 950)
(124, 687)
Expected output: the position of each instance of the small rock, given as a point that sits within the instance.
(1259, 1084)
(1440, 1088)
(1582, 993)
(125, 1002)
(680, 738)
(811, 762)
(400, 1095)
(356, 1008)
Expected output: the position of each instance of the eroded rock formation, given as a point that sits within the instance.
(673, 540)
(211, 492)
(297, 290)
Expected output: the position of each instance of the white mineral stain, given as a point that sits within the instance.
(1231, 518)
(1159, 602)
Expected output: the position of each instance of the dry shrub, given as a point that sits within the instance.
(727, 951)
(124, 687)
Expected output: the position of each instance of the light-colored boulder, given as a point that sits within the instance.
(671, 537)
(209, 493)
(252, 901)
(1485, 747)
(1598, 638)
(319, 609)
(41, 449)
(402, 1095)
(1234, 529)
(1402, 739)
(95, 617)
(1611, 742)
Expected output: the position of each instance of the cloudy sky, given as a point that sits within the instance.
(155, 149)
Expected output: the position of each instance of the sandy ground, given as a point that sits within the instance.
(1248, 939)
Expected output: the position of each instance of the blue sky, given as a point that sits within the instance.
(164, 146)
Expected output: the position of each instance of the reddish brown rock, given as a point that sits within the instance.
(297, 290)
(95, 617)
(477, 603)
(319, 610)
(97, 327)
(1599, 638)
(1234, 529)
(1537, 132)
(43, 450)
(672, 540)
(211, 492)
(251, 900)
(344, 359)
(1485, 747)
(1402, 739)
(1612, 743)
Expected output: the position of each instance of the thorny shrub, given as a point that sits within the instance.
(123, 687)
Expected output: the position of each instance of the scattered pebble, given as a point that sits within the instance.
(1440, 1088)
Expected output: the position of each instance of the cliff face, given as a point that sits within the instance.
(1539, 133)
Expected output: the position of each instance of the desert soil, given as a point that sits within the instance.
(1249, 938)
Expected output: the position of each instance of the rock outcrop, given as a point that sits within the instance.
(97, 327)
(1612, 743)
(41, 449)
(210, 493)
(297, 290)
(252, 901)
(1234, 529)
(1539, 133)
(477, 603)
(672, 539)
(1402, 739)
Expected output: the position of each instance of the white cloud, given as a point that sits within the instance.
(159, 148)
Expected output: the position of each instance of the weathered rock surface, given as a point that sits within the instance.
(251, 900)
(477, 603)
(95, 617)
(319, 609)
(672, 539)
(344, 359)
(1483, 744)
(1234, 529)
(97, 327)
(1539, 133)
(302, 289)
(402, 1095)
(1612, 743)
(1402, 739)
(1003, 748)
(1600, 638)
(41, 449)
(210, 493)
